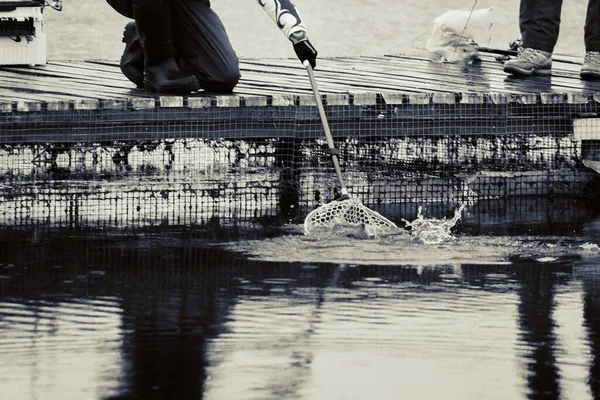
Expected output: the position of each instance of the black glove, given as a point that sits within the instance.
(305, 51)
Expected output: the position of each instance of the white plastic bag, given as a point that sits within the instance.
(456, 35)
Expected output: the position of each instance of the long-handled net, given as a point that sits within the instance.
(344, 212)
(348, 213)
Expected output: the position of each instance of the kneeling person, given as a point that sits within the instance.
(179, 46)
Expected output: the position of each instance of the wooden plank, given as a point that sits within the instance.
(61, 86)
(50, 70)
(335, 80)
(100, 89)
(30, 93)
(452, 71)
(558, 82)
(500, 84)
(71, 76)
(343, 72)
(41, 91)
(294, 82)
(13, 95)
(86, 70)
(60, 80)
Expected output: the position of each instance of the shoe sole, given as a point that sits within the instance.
(527, 72)
(589, 75)
(181, 89)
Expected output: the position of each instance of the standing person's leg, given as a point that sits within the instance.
(592, 26)
(161, 72)
(539, 22)
(204, 46)
(591, 63)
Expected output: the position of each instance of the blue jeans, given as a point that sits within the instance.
(201, 42)
(539, 21)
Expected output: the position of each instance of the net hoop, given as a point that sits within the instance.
(347, 213)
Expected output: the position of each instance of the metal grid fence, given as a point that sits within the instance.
(204, 159)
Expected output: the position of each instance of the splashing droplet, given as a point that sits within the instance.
(433, 231)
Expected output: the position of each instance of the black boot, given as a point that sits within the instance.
(161, 72)
(132, 60)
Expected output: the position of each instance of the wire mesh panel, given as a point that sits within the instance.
(189, 161)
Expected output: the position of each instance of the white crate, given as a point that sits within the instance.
(24, 50)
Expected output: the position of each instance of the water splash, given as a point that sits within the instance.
(433, 231)
(425, 231)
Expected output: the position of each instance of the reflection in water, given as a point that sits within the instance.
(167, 333)
(47, 347)
(536, 323)
(106, 315)
(591, 312)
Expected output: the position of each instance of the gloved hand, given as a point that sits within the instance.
(305, 51)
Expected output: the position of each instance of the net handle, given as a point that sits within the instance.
(332, 150)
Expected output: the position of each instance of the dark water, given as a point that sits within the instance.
(173, 313)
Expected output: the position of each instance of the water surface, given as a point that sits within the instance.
(173, 313)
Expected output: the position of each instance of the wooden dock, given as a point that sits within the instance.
(82, 101)
(87, 84)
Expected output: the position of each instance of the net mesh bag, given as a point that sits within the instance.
(350, 213)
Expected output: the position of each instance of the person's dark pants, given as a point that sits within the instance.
(539, 21)
(201, 41)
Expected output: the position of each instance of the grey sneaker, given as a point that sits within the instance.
(591, 65)
(530, 62)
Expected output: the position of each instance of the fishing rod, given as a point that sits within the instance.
(510, 52)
